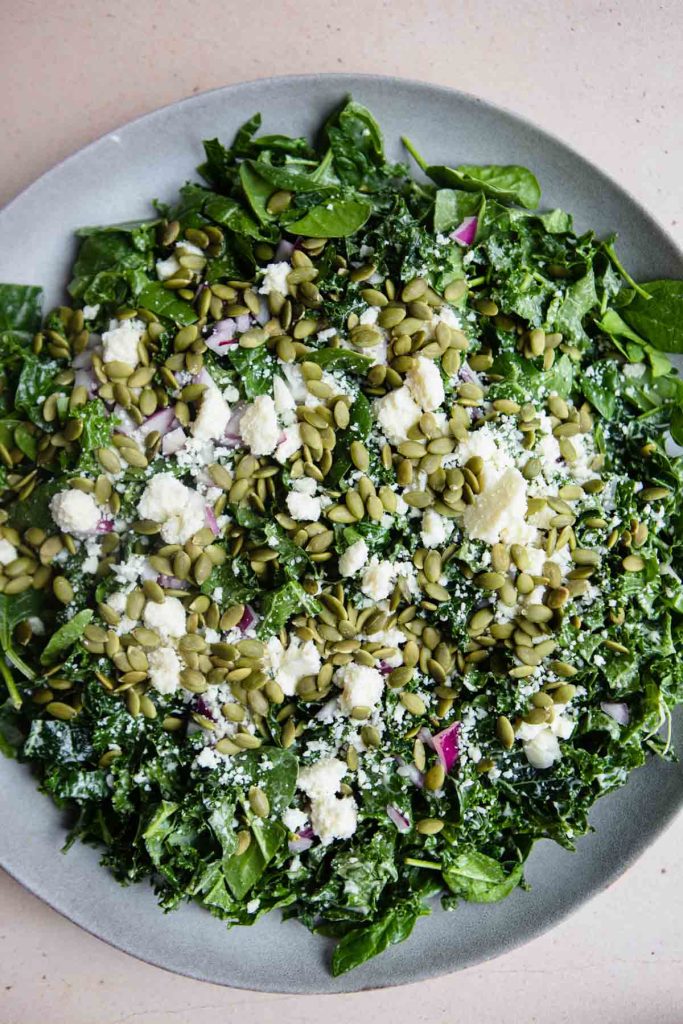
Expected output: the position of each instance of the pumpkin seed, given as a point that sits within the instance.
(505, 732)
(429, 826)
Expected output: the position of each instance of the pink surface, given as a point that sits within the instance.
(611, 86)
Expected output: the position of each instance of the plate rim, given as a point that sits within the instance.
(345, 82)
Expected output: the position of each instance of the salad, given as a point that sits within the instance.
(340, 533)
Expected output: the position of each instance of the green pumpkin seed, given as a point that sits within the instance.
(413, 704)
(505, 732)
(429, 826)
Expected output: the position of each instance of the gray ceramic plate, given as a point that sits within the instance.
(113, 180)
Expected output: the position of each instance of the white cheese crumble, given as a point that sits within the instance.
(291, 665)
(164, 669)
(90, 312)
(397, 412)
(275, 279)
(435, 529)
(75, 512)
(258, 426)
(8, 552)
(331, 817)
(167, 617)
(425, 383)
(290, 445)
(498, 513)
(120, 342)
(378, 579)
(541, 746)
(213, 415)
(294, 819)
(354, 558)
(283, 399)
(361, 687)
(303, 506)
(167, 268)
(179, 509)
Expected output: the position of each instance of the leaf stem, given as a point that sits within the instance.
(421, 163)
(431, 865)
(15, 696)
(616, 262)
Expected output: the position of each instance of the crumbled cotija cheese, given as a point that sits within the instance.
(425, 383)
(258, 426)
(354, 558)
(120, 342)
(397, 412)
(164, 669)
(75, 512)
(167, 618)
(179, 509)
(498, 513)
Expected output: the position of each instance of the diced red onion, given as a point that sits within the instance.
(300, 844)
(409, 771)
(385, 668)
(466, 231)
(164, 420)
(105, 525)
(211, 521)
(83, 361)
(222, 336)
(174, 441)
(447, 745)
(264, 314)
(248, 619)
(426, 737)
(399, 820)
(284, 251)
(617, 711)
(170, 582)
(87, 379)
(126, 424)
(231, 433)
(467, 374)
(205, 709)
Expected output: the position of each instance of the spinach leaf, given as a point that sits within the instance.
(163, 302)
(66, 636)
(25, 441)
(601, 387)
(36, 382)
(232, 215)
(451, 206)
(105, 258)
(368, 940)
(357, 147)
(278, 606)
(659, 318)
(257, 191)
(480, 879)
(335, 219)
(243, 871)
(508, 183)
(341, 359)
(20, 307)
